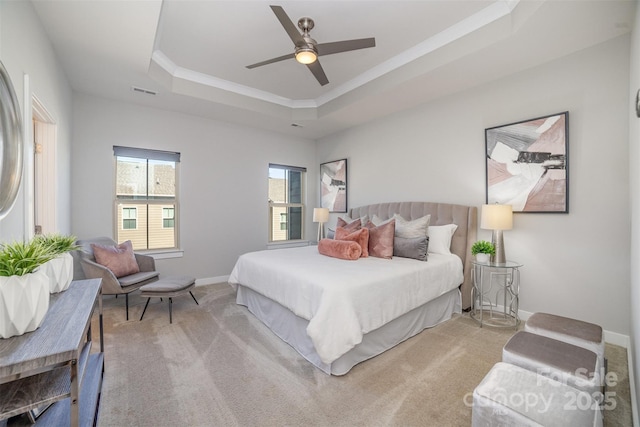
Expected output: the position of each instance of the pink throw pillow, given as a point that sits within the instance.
(381, 239)
(354, 225)
(360, 236)
(119, 259)
(339, 249)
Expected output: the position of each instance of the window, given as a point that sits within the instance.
(146, 199)
(168, 217)
(286, 207)
(129, 218)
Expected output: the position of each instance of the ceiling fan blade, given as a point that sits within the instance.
(318, 72)
(288, 25)
(345, 46)
(271, 61)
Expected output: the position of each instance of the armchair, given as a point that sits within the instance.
(112, 285)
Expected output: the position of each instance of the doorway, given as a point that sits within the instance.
(44, 169)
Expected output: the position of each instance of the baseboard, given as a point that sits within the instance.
(211, 280)
(632, 386)
(617, 339)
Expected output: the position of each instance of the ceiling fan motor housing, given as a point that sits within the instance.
(305, 24)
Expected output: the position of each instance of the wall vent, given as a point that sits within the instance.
(141, 90)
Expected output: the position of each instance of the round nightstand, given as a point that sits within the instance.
(494, 295)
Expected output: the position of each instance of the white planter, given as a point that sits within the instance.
(24, 301)
(484, 258)
(60, 272)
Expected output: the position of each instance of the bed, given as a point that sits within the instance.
(338, 313)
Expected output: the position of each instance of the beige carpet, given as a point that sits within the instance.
(217, 365)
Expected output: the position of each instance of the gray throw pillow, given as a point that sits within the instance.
(414, 247)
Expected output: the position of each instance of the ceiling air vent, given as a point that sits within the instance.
(141, 90)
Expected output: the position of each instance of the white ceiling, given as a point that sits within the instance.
(193, 53)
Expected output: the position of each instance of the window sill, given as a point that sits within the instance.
(164, 253)
(287, 244)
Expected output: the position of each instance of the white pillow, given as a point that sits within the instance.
(440, 238)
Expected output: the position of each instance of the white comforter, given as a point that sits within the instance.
(343, 300)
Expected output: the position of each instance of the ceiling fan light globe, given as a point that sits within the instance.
(306, 56)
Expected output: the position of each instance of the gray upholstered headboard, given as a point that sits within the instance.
(441, 213)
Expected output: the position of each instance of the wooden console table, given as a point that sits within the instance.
(54, 365)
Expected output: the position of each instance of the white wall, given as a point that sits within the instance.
(575, 264)
(223, 178)
(25, 49)
(634, 164)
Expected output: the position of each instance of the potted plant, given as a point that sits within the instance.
(60, 268)
(482, 250)
(24, 287)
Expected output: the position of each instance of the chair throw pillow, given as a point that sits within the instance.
(341, 249)
(119, 259)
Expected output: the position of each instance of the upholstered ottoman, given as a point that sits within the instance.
(561, 361)
(168, 287)
(576, 332)
(513, 396)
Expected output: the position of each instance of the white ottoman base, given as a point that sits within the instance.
(512, 396)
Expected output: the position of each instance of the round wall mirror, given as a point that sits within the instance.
(11, 145)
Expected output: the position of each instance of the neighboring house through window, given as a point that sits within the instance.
(168, 217)
(286, 207)
(146, 199)
(129, 218)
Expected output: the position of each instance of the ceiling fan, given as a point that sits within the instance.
(307, 50)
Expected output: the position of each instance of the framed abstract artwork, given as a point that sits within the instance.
(333, 185)
(528, 164)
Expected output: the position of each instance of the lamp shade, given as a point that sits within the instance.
(497, 217)
(320, 215)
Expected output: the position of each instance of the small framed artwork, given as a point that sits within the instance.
(528, 164)
(333, 185)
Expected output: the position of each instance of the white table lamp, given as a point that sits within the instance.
(497, 218)
(320, 215)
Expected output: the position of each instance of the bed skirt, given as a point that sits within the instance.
(292, 329)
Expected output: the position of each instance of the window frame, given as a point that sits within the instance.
(122, 202)
(287, 205)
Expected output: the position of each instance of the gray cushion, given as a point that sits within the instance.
(169, 286)
(416, 248)
(573, 331)
(569, 364)
(136, 278)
